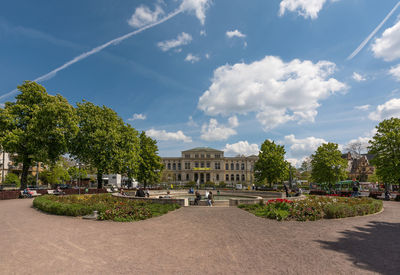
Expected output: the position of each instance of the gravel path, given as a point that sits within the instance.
(197, 241)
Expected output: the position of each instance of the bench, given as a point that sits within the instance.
(50, 192)
(33, 193)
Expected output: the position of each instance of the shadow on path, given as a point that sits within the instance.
(374, 247)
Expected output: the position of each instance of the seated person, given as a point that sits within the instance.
(168, 196)
(146, 192)
(197, 198)
(140, 193)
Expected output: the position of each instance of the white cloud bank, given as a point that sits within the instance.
(235, 33)
(198, 7)
(301, 148)
(276, 91)
(143, 15)
(137, 117)
(357, 77)
(387, 46)
(182, 39)
(241, 148)
(389, 109)
(192, 58)
(164, 135)
(362, 107)
(305, 8)
(215, 132)
(395, 72)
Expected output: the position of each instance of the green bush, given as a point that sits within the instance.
(314, 208)
(108, 206)
(12, 179)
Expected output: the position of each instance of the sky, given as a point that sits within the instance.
(225, 74)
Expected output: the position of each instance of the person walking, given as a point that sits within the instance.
(210, 199)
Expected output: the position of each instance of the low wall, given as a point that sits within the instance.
(181, 202)
(9, 194)
(236, 202)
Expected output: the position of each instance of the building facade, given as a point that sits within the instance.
(205, 164)
(359, 167)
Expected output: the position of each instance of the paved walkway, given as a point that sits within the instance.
(197, 241)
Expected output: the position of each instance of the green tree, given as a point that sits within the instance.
(12, 179)
(150, 166)
(271, 164)
(37, 127)
(98, 140)
(129, 152)
(327, 164)
(76, 173)
(385, 145)
(55, 175)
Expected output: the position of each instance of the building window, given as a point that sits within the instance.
(226, 166)
(179, 166)
(237, 166)
(169, 166)
(187, 156)
(196, 164)
(187, 177)
(207, 177)
(202, 156)
(237, 177)
(208, 156)
(179, 177)
(232, 166)
(227, 177)
(196, 156)
(232, 177)
(242, 166)
(202, 164)
(243, 178)
(187, 165)
(217, 177)
(174, 166)
(217, 166)
(217, 156)
(208, 164)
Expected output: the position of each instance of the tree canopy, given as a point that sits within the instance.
(327, 164)
(385, 145)
(150, 166)
(271, 164)
(37, 127)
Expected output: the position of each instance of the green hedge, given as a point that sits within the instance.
(108, 206)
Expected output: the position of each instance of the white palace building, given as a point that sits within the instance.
(209, 165)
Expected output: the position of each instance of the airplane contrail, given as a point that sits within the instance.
(366, 40)
(98, 49)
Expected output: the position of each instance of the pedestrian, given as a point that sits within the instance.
(197, 198)
(210, 199)
(286, 190)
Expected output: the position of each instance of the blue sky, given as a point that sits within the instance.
(226, 74)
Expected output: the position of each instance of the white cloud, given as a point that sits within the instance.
(276, 91)
(203, 33)
(143, 15)
(387, 46)
(389, 109)
(235, 33)
(207, 56)
(357, 77)
(241, 148)
(182, 39)
(362, 107)
(301, 148)
(395, 72)
(164, 135)
(191, 122)
(137, 117)
(214, 132)
(198, 7)
(305, 8)
(192, 58)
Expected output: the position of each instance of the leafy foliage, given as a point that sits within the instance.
(385, 145)
(150, 166)
(109, 207)
(56, 174)
(271, 164)
(37, 127)
(327, 163)
(12, 179)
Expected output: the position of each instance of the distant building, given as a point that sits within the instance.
(205, 164)
(10, 166)
(359, 166)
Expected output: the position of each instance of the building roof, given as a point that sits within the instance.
(203, 149)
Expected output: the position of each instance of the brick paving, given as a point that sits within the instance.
(197, 240)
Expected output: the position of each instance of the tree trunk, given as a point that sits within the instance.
(99, 180)
(24, 175)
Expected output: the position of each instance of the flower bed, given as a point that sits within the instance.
(314, 208)
(108, 207)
